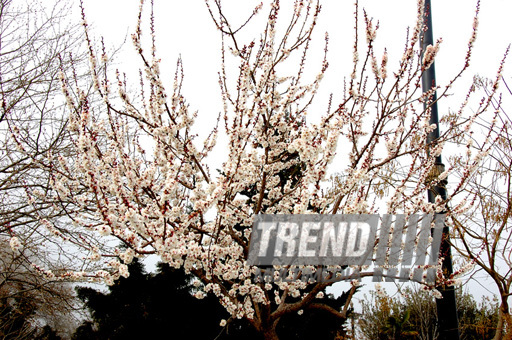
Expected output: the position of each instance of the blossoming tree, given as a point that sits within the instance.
(483, 233)
(36, 40)
(141, 177)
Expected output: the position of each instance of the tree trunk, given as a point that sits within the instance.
(269, 333)
(504, 327)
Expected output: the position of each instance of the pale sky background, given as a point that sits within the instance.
(185, 28)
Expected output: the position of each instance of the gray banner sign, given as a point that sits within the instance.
(396, 245)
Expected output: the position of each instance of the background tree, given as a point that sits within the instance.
(30, 301)
(139, 175)
(36, 41)
(411, 314)
(35, 45)
(484, 232)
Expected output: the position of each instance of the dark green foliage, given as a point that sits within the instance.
(149, 306)
(161, 305)
(85, 331)
(400, 327)
(47, 333)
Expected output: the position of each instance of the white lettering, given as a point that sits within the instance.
(266, 228)
(336, 241)
(287, 232)
(306, 238)
(358, 237)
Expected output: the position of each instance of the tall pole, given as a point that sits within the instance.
(447, 318)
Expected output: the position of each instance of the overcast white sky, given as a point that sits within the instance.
(185, 27)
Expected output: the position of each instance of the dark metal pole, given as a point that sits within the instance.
(447, 318)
